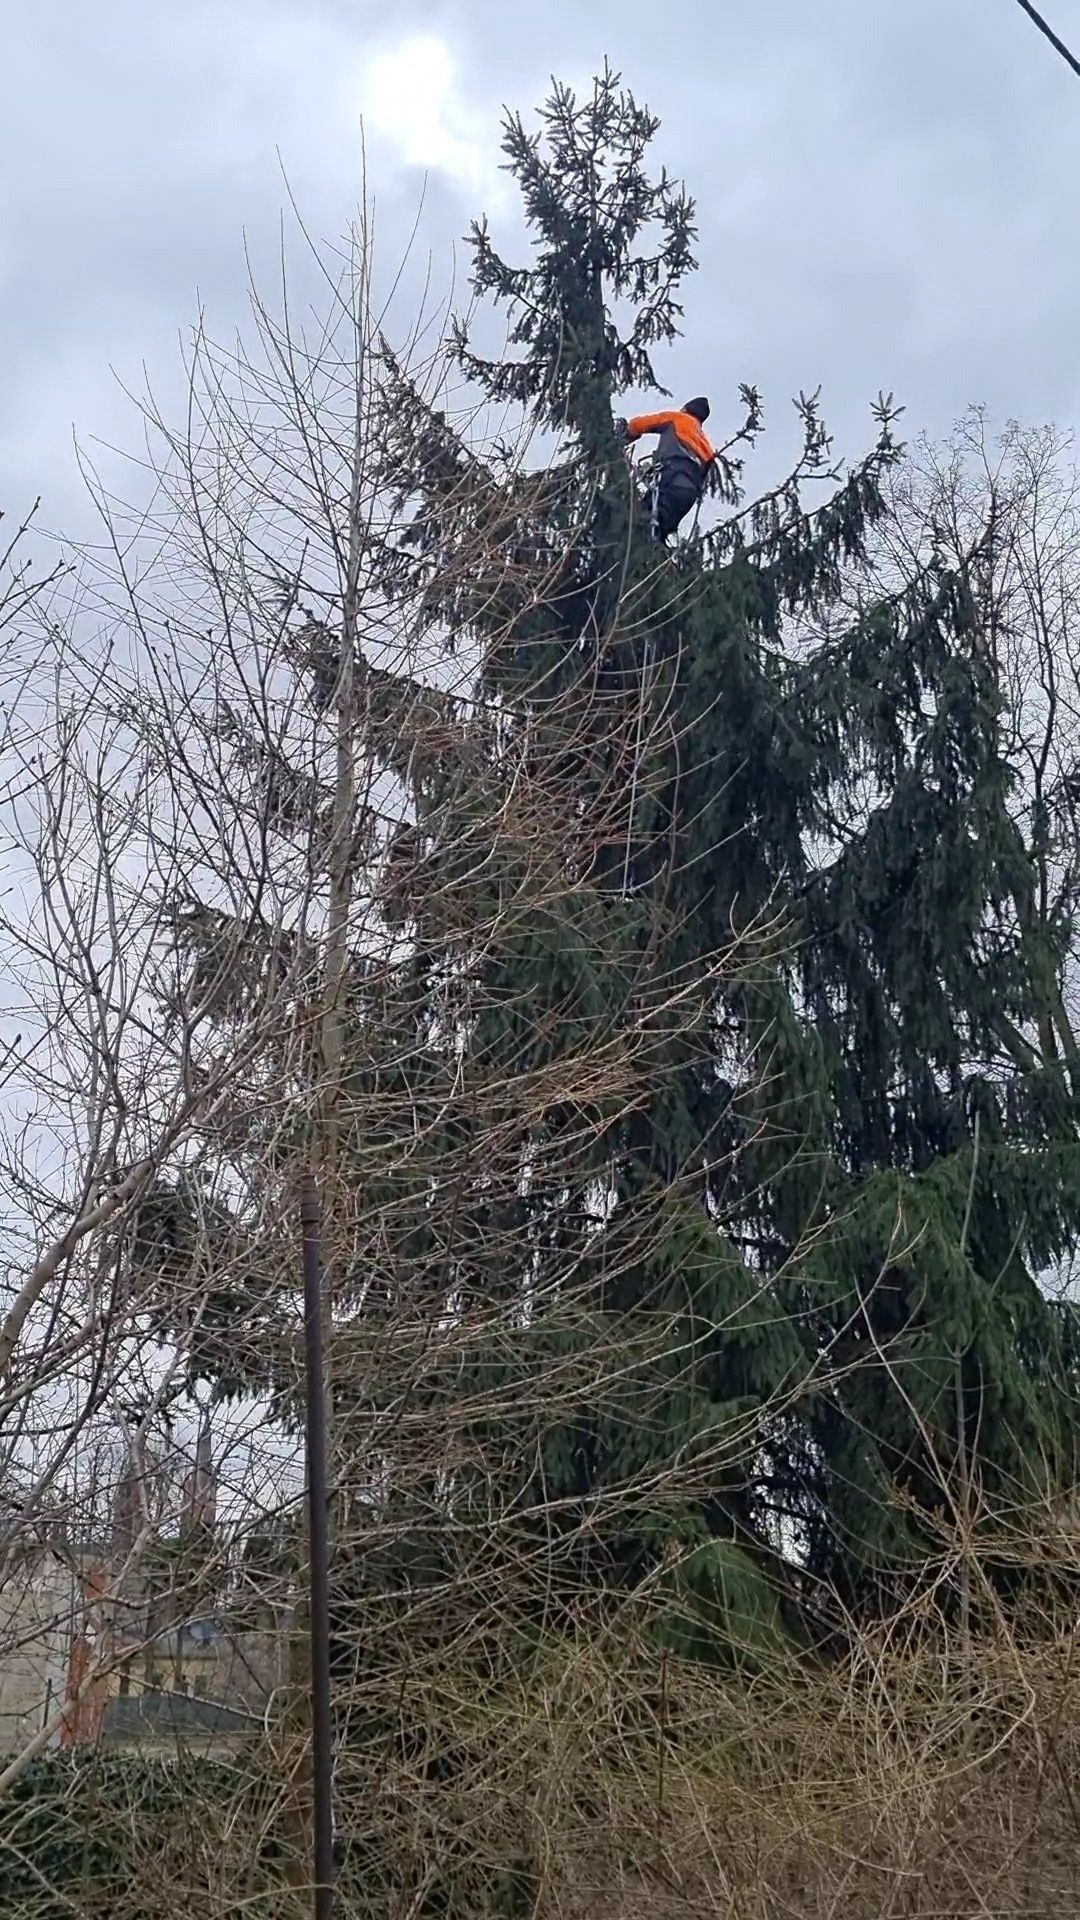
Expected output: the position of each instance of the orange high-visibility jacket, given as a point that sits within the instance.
(679, 434)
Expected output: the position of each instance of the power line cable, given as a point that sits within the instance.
(1045, 28)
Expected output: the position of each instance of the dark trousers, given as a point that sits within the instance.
(677, 491)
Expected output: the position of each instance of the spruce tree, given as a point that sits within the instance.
(859, 1157)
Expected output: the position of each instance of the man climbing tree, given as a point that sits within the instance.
(684, 456)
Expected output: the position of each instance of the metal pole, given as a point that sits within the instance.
(319, 1560)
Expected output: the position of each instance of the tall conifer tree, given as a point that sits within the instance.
(862, 1153)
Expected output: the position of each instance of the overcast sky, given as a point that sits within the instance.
(886, 187)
